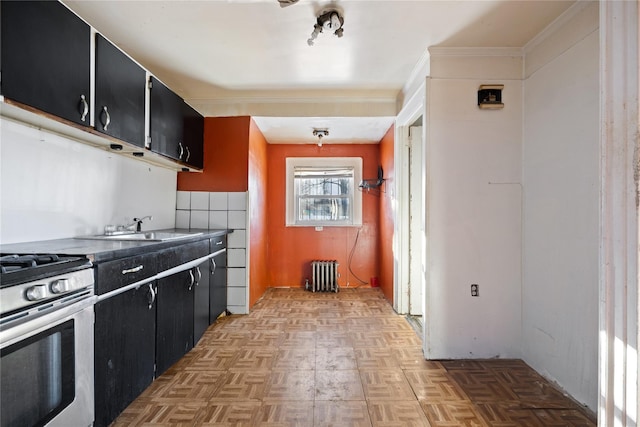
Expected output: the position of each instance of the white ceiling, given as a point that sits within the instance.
(250, 57)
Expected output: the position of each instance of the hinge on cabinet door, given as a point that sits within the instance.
(155, 370)
(150, 84)
(148, 143)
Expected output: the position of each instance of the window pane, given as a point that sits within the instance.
(316, 188)
(323, 186)
(323, 209)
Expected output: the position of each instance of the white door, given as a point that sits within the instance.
(416, 222)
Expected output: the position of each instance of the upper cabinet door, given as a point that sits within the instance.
(165, 124)
(120, 92)
(46, 58)
(193, 137)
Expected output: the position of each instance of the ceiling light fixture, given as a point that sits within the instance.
(320, 133)
(285, 3)
(331, 20)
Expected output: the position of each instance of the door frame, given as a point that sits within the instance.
(414, 108)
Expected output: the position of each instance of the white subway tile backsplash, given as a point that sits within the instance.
(182, 219)
(236, 296)
(236, 276)
(221, 210)
(237, 220)
(199, 219)
(236, 258)
(218, 202)
(217, 220)
(238, 201)
(200, 200)
(237, 239)
(183, 200)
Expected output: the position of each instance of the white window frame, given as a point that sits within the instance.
(323, 162)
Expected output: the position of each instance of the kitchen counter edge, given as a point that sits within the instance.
(105, 250)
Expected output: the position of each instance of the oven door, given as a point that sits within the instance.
(47, 369)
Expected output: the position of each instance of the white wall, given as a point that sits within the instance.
(473, 207)
(561, 206)
(53, 187)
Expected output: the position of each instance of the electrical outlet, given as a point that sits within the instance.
(475, 290)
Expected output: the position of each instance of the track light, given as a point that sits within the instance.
(320, 133)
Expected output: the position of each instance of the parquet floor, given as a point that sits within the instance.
(346, 359)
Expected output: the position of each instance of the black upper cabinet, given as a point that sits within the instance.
(193, 136)
(165, 125)
(177, 130)
(120, 94)
(46, 58)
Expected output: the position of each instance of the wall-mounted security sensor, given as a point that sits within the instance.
(490, 96)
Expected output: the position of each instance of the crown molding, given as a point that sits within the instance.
(436, 51)
(329, 103)
(419, 72)
(562, 20)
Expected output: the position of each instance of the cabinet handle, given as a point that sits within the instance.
(193, 279)
(181, 152)
(188, 153)
(84, 108)
(219, 243)
(152, 296)
(199, 276)
(213, 266)
(107, 118)
(133, 270)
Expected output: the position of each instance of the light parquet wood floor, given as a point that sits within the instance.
(340, 359)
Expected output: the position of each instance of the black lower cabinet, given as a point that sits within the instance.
(218, 286)
(174, 328)
(201, 302)
(125, 345)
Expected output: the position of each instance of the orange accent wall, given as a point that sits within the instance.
(258, 200)
(291, 249)
(226, 157)
(237, 158)
(387, 222)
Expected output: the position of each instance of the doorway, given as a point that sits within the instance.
(410, 231)
(416, 192)
(411, 218)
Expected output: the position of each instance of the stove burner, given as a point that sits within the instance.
(16, 262)
(17, 268)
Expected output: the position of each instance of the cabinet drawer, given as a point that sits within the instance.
(217, 243)
(116, 274)
(173, 257)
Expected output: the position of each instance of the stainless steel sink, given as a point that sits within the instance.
(149, 236)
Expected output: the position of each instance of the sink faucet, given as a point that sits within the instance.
(135, 226)
(138, 222)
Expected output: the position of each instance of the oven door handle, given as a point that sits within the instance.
(152, 296)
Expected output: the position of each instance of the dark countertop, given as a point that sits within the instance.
(103, 250)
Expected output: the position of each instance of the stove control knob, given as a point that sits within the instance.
(37, 292)
(61, 286)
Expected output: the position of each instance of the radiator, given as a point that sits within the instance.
(324, 276)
